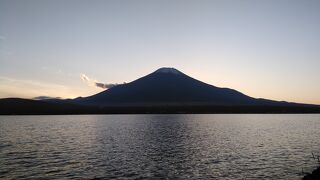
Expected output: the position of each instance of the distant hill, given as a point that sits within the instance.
(166, 90)
(16, 106)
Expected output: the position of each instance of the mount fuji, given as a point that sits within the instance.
(169, 86)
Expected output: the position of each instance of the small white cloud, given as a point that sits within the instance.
(95, 83)
(85, 78)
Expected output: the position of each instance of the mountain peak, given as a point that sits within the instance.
(169, 70)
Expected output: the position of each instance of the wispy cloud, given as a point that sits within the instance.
(2, 37)
(95, 83)
(12, 87)
(85, 78)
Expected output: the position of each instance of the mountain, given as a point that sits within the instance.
(169, 86)
(166, 90)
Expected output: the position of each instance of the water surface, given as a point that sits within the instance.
(163, 146)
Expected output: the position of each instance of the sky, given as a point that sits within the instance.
(62, 48)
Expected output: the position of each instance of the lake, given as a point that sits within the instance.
(158, 146)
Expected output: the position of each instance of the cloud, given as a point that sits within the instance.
(25, 88)
(105, 86)
(2, 37)
(95, 83)
(85, 78)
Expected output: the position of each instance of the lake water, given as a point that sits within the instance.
(158, 146)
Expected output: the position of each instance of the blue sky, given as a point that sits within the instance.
(268, 49)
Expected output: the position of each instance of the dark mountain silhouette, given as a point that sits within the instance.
(170, 86)
(14, 106)
(166, 90)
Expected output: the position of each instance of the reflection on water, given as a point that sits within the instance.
(163, 146)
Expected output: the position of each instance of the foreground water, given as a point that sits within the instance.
(158, 146)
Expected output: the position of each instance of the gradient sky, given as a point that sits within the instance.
(268, 49)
